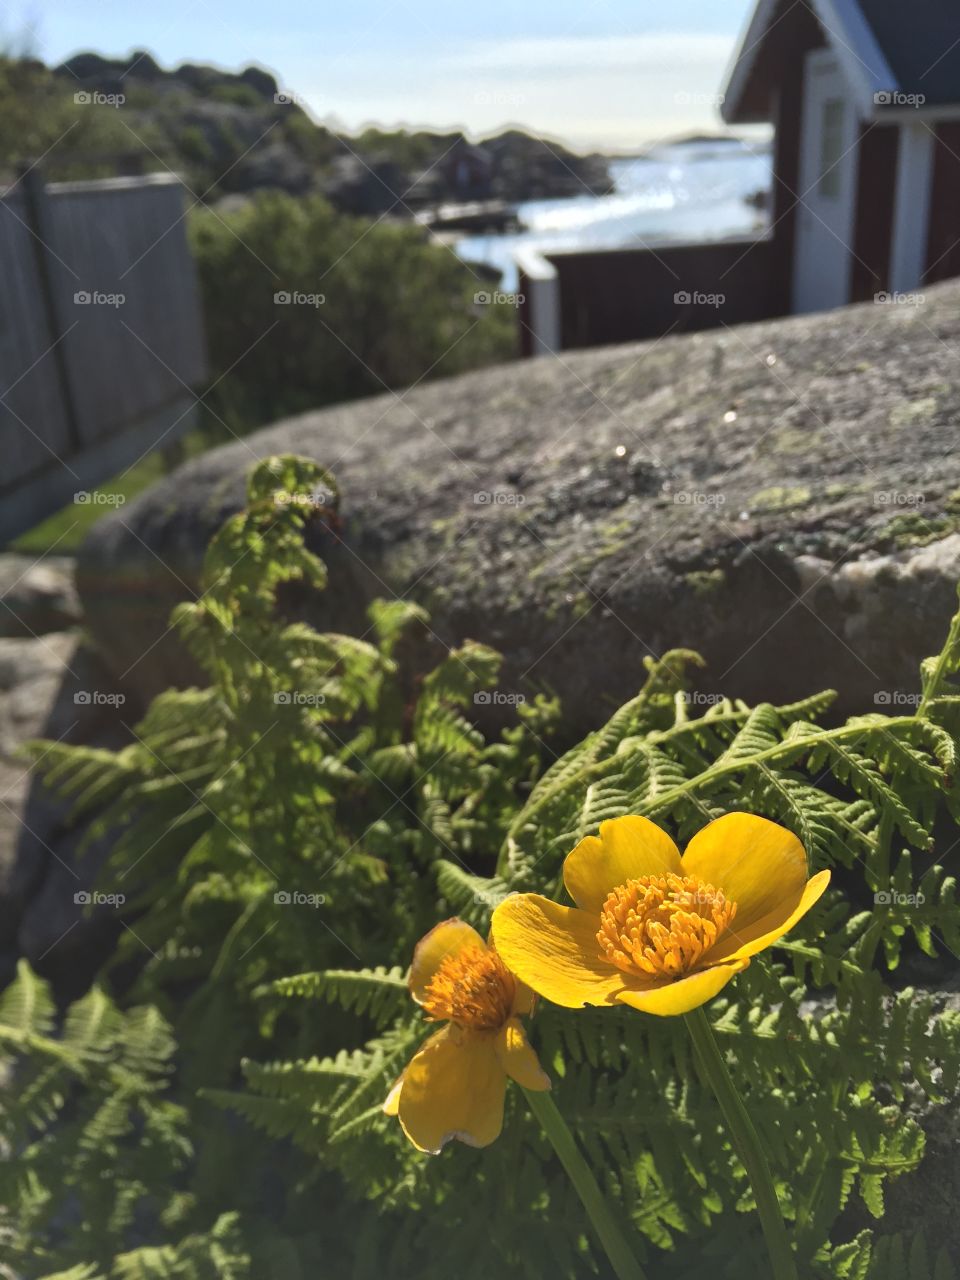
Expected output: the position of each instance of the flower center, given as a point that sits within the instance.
(660, 926)
(472, 988)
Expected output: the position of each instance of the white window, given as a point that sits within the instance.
(831, 148)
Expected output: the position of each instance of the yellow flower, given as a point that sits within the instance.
(651, 929)
(455, 1085)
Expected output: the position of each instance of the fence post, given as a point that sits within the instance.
(36, 207)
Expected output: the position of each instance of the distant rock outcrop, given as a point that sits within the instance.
(784, 497)
(236, 133)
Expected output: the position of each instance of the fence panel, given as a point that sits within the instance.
(101, 339)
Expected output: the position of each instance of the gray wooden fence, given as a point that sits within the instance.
(101, 340)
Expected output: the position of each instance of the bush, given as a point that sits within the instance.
(331, 768)
(385, 310)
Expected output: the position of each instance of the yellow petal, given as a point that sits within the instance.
(518, 1059)
(554, 950)
(391, 1104)
(758, 864)
(524, 1000)
(443, 940)
(453, 1088)
(670, 998)
(739, 943)
(626, 848)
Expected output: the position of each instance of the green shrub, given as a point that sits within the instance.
(322, 764)
(395, 309)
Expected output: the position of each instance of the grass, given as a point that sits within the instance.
(64, 531)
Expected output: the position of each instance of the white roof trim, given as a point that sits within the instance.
(848, 34)
(740, 67)
(855, 45)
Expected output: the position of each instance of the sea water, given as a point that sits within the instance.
(689, 191)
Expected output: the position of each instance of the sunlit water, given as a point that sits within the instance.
(688, 191)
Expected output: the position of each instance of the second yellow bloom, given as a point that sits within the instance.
(651, 929)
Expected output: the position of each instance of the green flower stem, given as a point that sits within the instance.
(747, 1143)
(611, 1237)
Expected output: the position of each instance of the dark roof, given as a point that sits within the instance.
(887, 47)
(920, 39)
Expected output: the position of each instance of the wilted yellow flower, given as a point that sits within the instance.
(455, 1085)
(651, 929)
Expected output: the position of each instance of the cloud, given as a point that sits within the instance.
(634, 54)
(593, 91)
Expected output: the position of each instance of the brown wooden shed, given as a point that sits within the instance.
(864, 97)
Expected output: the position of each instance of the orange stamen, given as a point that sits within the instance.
(661, 926)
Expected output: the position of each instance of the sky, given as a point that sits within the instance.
(595, 73)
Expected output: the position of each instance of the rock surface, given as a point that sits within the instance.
(784, 497)
(51, 686)
(240, 133)
(36, 596)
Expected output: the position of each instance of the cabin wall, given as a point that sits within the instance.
(775, 92)
(874, 217)
(624, 295)
(786, 185)
(943, 241)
